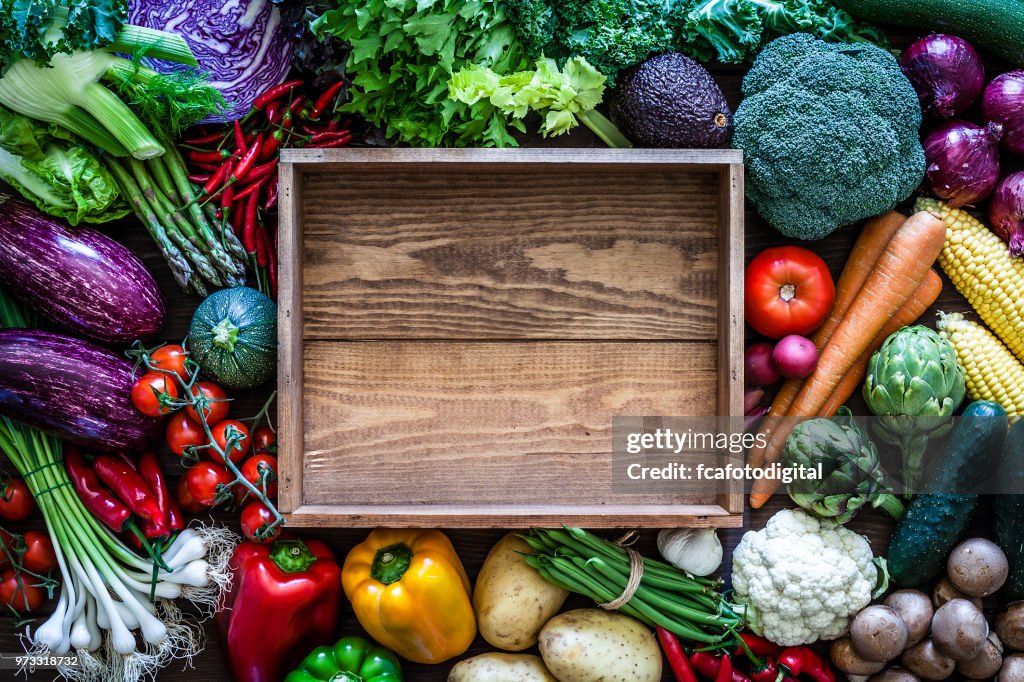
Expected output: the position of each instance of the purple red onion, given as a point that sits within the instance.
(1003, 102)
(946, 72)
(757, 365)
(962, 161)
(1006, 212)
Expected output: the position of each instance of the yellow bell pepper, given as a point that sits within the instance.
(410, 593)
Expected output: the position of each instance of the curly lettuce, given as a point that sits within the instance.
(58, 175)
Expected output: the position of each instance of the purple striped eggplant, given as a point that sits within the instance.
(72, 389)
(77, 277)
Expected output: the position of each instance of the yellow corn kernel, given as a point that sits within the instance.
(991, 370)
(979, 264)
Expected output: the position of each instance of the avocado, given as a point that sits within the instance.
(669, 100)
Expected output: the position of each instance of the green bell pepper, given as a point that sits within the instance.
(351, 659)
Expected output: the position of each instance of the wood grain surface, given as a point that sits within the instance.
(473, 545)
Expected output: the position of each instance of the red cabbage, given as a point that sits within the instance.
(242, 44)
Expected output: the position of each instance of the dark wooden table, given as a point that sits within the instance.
(473, 545)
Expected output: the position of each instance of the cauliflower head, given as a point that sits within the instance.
(803, 577)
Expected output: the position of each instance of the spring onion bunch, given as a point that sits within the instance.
(685, 605)
(104, 613)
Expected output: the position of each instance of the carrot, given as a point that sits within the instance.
(874, 237)
(922, 299)
(900, 270)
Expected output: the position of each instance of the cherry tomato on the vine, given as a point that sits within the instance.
(170, 358)
(255, 516)
(154, 394)
(264, 440)
(16, 503)
(185, 499)
(39, 556)
(233, 433)
(183, 433)
(204, 478)
(212, 403)
(253, 470)
(29, 595)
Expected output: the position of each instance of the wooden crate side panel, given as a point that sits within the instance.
(731, 321)
(290, 346)
(615, 254)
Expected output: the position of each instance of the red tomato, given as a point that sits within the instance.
(185, 499)
(16, 503)
(254, 467)
(39, 556)
(213, 403)
(153, 394)
(184, 433)
(788, 291)
(28, 596)
(255, 516)
(203, 480)
(235, 431)
(170, 358)
(264, 440)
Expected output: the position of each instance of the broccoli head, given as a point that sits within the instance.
(830, 133)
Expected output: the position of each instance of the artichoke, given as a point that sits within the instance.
(914, 385)
(852, 475)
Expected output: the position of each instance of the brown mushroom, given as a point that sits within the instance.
(927, 662)
(895, 674)
(1010, 626)
(959, 629)
(1013, 669)
(846, 659)
(878, 633)
(986, 663)
(977, 567)
(916, 610)
(945, 591)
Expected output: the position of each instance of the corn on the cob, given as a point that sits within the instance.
(992, 372)
(980, 266)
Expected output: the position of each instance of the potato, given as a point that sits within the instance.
(511, 600)
(586, 645)
(501, 668)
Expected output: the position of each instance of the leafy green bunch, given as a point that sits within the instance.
(405, 51)
(27, 27)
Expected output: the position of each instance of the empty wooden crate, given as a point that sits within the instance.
(459, 327)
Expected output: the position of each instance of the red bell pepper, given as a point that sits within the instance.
(283, 601)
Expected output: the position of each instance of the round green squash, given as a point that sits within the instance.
(233, 337)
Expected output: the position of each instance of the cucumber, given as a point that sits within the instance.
(993, 25)
(1009, 510)
(935, 522)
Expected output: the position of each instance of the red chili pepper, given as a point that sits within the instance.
(329, 135)
(251, 188)
(100, 502)
(275, 93)
(296, 106)
(248, 159)
(208, 167)
(153, 475)
(209, 138)
(757, 645)
(219, 215)
(249, 229)
(239, 135)
(769, 671)
(272, 145)
(271, 196)
(324, 100)
(214, 183)
(261, 171)
(262, 248)
(709, 665)
(129, 487)
(295, 577)
(238, 218)
(802, 660)
(272, 271)
(208, 157)
(227, 196)
(199, 179)
(676, 656)
(724, 670)
(336, 142)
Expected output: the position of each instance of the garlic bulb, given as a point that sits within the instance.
(697, 551)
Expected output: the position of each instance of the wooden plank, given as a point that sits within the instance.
(514, 515)
(289, 339)
(458, 256)
(483, 423)
(731, 321)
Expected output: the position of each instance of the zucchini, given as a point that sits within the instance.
(994, 25)
(233, 337)
(1009, 510)
(936, 521)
